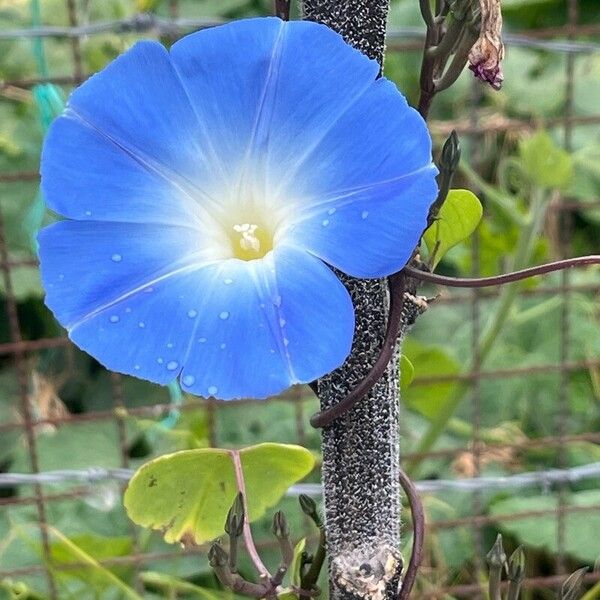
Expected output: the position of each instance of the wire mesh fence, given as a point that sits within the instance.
(70, 433)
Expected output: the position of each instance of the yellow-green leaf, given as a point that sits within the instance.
(187, 494)
(456, 221)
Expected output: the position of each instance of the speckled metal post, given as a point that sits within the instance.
(361, 449)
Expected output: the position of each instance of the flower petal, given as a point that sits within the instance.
(146, 300)
(369, 232)
(268, 324)
(85, 177)
(134, 122)
(365, 191)
(89, 265)
(291, 81)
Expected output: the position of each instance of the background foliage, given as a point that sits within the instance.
(517, 175)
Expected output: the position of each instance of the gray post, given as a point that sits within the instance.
(361, 449)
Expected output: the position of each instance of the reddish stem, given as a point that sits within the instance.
(418, 519)
(248, 540)
(477, 282)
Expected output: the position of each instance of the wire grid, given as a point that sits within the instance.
(22, 350)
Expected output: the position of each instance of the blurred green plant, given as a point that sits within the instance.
(507, 176)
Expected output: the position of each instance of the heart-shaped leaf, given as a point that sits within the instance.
(187, 494)
(456, 221)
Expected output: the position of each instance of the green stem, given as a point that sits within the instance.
(506, 300)
(446, 45)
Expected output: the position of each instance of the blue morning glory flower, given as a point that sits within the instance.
(209, 189)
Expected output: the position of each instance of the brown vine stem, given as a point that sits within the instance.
(282, 9)
(397, 289)
(478, 282)
(397, 286)
(418, 519)
(248, 540)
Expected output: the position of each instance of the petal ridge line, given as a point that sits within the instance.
(345, 197)
(189, 267)
(277, 335)
(205, 298)
(215, 156)
(311, 148)
(171, 177)
(272, 72)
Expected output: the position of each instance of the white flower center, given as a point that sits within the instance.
(250, 241)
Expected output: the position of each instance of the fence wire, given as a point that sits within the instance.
(543, 479)
(44, 490)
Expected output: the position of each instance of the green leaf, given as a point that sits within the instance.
(188, 493)
(581, 528)
(429, 360)
(457, 220)
(407, 372)
(544, 163)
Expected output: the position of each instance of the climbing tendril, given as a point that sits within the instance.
(397, 289)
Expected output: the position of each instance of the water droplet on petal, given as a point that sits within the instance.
(169, 345)
(282, 322)
(88, 213)
(114, 319)
(272, 351)
(202, 340)
(172, 365)
(277, 301)
(224, 315)
(188, 380)
(136, 367)
(192, 313)
(212, 390)
(61, 276)
(364, 214)
(141, 324)
(228, 281)
(223, 346)
(116, 258)
(325, 222)
(160, 360)
(286, 342)
(331, 211)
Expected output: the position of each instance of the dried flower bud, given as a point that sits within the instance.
(486, 55)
